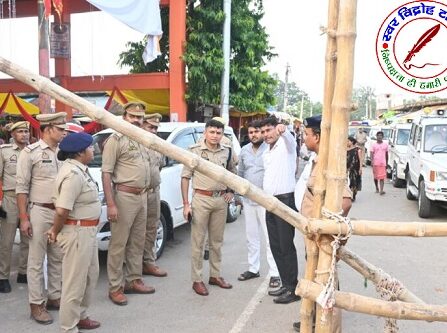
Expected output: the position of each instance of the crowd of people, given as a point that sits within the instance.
(61, 224)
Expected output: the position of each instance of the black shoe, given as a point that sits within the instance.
(297, 326)
(206, 255)
(278, 292)
(286, 298)
(5, 287)
(22, 278)
(247, 275)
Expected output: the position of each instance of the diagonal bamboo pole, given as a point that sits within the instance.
(372, 306)
(336, 173)
(307, 309)
(373, 273)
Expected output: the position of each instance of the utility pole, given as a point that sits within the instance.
(286, 88)
(302, 107)
(225, 89)
(44, 55)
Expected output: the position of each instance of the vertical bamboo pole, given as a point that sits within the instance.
(308, 306)
(336, 173)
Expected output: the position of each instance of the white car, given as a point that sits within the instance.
(179, 134)
(426, 169)
(397, 161)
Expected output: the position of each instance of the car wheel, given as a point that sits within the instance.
(160, 239)
(396, 181)
(233, 212)
(425, 205)
(408, 193)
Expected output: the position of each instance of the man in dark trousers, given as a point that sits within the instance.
(279, 180)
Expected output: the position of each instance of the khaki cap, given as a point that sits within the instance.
(221, 120)
(55, 119)
(153, 119)
(17, 125)
(135, 108)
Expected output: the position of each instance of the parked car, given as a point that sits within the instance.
(373, 139)
(426, 168)
(182, 135)
(398, 142)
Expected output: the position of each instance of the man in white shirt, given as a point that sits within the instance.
(279, 180)
(251, 167)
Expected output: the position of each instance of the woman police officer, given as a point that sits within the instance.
(75, 196)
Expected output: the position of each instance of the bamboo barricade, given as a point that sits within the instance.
(367, 305)
(307, 309)
(374, 274)
(336, 172)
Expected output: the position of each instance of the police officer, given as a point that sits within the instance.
(37, 168)
(75, 195)
(209, 206)
(125, 164)
(9, 154)
(156, 162)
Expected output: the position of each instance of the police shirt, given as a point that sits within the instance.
(76, 191)
(37, 168)
(220, 156)
(9, 154)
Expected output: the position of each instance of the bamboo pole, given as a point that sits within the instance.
(378, 228)
(372, 306)
(373, 273)
(336, 173)
(307, 309)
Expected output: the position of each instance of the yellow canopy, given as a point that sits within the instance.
(156, 100)
(12, 109)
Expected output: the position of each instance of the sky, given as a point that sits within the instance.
(293, 27)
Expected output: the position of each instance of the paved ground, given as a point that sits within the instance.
(419, 263)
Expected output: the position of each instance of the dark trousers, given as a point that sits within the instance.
(281, 236)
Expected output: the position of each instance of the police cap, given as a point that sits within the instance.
(313, 122)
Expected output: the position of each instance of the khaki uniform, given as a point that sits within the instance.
(37, 168)
(361, 141)
(156, 161)
(209, 212)
(127, 161)
(9, 154)
(77, 192)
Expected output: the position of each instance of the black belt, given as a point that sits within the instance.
(284, 196)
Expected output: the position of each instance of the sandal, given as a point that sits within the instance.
(247, 275)
(275, 282)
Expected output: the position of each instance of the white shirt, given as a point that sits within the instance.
(280, 166)
(301, 184)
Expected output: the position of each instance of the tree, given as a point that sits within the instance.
(366, 103)
(251, 88)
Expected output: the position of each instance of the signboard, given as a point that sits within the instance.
(60, 40)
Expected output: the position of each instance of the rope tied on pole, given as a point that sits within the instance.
(326, 299)
(390, 290)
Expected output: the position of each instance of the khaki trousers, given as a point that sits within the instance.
(80, 270)
(8, 227)
(41, 221)
(153, 218)
(209, 216)
(127, 241)
(362, 154)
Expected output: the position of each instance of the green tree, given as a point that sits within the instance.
(364, 97)
(251, 88)
(133, 56)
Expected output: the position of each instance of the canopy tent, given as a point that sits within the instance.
(156, 100)
(11, 107)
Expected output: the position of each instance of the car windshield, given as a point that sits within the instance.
(435, 138)
(98, 145)
(386, 133)
(402, 136)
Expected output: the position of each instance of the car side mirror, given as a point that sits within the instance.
(418, 146)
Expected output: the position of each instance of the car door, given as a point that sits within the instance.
(415, 158)
(171, 177)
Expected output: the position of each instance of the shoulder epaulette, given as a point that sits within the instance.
(6, 145)
(117, 135)
(196, 145)
(31, 147)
